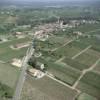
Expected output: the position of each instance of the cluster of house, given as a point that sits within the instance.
(70, 24)
(41, 35)
(78, 33)
(19, 34)
(75, 23)
(49, 27)
(61, 24)
(2, 12)
(38, 71)
(89, 21)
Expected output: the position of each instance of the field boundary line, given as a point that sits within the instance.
(85, 71)
(76, 83)
(59, 60)
(53, 78)
(63, 45)
(81, 52)
(94, 65)
(2, 62)
(93, 31)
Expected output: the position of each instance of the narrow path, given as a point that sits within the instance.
(2, 62)
(12, 40)
(93, 66)
(85, 71)
(53, 78)
(63, 45)
(81, 52)
(59, 60)
(93, 31)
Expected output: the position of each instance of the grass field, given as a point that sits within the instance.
(53, 42)
(90, 84)
(88, 27)
(9, 74)
(97, 68)
(61, 71)
(88, 58)
(68, 70)
(71, 49)
(75, 64)
(7, 54)
(84, 96)
(94, 41)
(46, 89)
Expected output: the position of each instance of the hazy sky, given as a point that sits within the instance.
(52, 0)
(46, 0)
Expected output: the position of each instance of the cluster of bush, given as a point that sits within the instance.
(5, 91)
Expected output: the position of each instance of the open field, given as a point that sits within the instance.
(7, 54)
(53, 42)
(84, 96)
(75, 64)
(82, 63)
(68, 50)
(90, 83)
(9, 74)
(85, 59)
(46, 89)
(88, 58)
(62, 72)
(68, 69)
(71, 49)
(60, 64)
(88, 28)
(94, 41)
(69, 54)
(97, 68)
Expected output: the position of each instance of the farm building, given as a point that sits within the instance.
(36, 73)
(78, 33)
(16, 62)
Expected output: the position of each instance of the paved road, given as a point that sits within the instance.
(21, 80)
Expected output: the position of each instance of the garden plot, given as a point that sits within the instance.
(62, 72)
(97, 68)
(71, 49)
(90, 84)
(88, 58)
(53, 43)
(83, 61)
